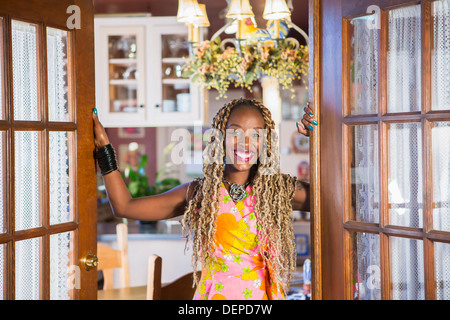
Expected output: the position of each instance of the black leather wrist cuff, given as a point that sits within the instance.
(106, 158)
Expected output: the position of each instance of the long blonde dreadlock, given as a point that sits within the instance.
(273, 192)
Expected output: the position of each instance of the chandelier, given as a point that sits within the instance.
(253, 54)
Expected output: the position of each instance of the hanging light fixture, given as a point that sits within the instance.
(254, 54)
(276, 10)
(205, 21)
(189, 12)
(194, 16)
(240, 10)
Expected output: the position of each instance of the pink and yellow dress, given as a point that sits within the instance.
(240, 272)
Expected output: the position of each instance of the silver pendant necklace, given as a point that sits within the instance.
(237, 192)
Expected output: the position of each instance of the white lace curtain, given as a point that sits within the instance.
(441, 142)
(365, 174)
(27, 156)
(440, 55)
(405, 147)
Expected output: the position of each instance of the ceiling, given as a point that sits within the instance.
(214, 8)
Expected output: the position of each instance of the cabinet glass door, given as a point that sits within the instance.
(122, 73)
(177, 102)
(176, 95)
(122, 52)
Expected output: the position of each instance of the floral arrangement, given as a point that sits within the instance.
(216, 66)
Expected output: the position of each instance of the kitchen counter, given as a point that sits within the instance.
(164, 239)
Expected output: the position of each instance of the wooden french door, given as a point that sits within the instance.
(380, 75)
(47, 169)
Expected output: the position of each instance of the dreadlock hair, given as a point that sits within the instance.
(273, 193)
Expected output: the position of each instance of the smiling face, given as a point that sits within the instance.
(244, 137)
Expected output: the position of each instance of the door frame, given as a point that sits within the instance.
(83, 194)
(314, 79)
(87, 170)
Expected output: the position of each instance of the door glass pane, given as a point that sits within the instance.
(26, 181)
(366, 269)
(27, 269)
(175, 90)
(2, 71)
(172, 70)
(122, 47)
(24, 56)
(2, 183)
(407, 269)
(60, 266)
(59, 177)
(405, 175)
(440, 55)
(174, 46)
(442, 270)
(364, 171)
(404, 56)
(124, 96)
(176, 97)
(364, 53)
(441, 175)
(123, 75)
(57, 75)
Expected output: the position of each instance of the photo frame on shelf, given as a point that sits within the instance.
(303, 171)
(131, 133)
(301, 245)
(130, 157)
(299, 143)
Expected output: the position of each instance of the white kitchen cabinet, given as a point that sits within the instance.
(138, 73)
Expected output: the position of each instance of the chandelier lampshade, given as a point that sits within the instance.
(251, 55)
(205, 21)
(239, 10)
(189, 11)
(276, 10)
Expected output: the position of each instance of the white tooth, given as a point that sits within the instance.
(243, 154)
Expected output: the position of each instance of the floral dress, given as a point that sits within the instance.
(239, 272)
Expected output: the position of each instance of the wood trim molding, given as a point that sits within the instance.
(315, 99)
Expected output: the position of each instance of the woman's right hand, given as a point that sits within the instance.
(100, 136)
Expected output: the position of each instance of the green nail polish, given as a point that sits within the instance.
(315, 122)
(95, 110)
(296, 125)
(311, 127)
(311, 114)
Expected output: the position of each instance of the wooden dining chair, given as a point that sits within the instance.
(110, 259)
(179, 289)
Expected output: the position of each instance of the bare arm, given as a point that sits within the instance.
(151, 208)
(158, 207)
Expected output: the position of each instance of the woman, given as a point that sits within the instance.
(238, 214)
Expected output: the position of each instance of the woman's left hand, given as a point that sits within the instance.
(308, 122)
